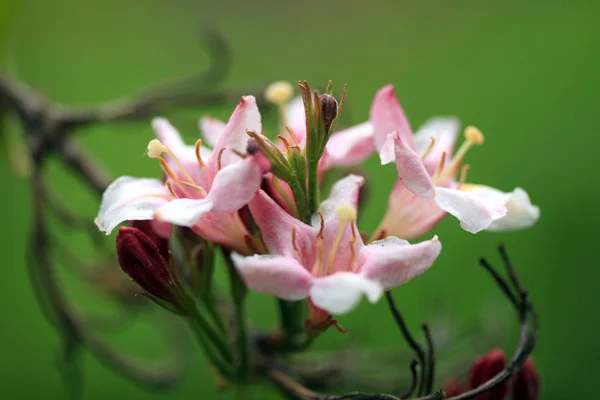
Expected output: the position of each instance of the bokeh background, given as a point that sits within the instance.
(526, 73)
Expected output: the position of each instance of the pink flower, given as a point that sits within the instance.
(427, 187)
(203, 189)
(328, 261)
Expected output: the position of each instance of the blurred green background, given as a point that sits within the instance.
(526, 74)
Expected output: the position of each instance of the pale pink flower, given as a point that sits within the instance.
(427, 187)
(328, 261)
(203, 189)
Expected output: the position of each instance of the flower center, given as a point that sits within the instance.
(347, 215)
(473, 136)
(155, 150)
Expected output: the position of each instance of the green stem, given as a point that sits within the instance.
(215, 356)
(292, 315)
(213, 336)
(313, 186)
(299, 192)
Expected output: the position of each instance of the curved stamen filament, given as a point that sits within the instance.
(171, 175)
(439, 168)
(463, 175)
(198, 148)
(472, 136)
(428, 149)
(320, 234)
(219, 161)
(352, 241)
(156, 148)
(346, 214)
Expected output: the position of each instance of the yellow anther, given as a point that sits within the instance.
(473, 135)
(346, 213)
(155, 148)
(279, 93)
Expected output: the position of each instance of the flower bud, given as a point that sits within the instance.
(453, 387)
(141, 259)
(485, 368)
(148, 227)
(527, 383)
(329, 110)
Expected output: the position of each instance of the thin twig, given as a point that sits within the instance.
(413, 381)
(418, 350)
(430, 360)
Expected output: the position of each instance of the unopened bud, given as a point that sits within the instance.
(527, 383)
(149, 227)
(485, 368)
(329, 110)
(141, 259)
(453, 388)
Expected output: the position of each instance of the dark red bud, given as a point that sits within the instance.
(527, 383)
(149, 228)
(485, 368)
(329, 110)
(453, 387)
(141, 259)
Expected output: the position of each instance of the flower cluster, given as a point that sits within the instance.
(261, 199)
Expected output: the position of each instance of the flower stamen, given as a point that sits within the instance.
(156, 148)
(472, 136)
(280, 93)
(429, 148)
(463, 175)
(197, 148)
(320, 234)
(347, 214)
(439, 168)
(219, 161)
(174, 178)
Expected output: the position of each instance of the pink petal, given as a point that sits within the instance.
(128, 199)
(276, 229)
(245, 117)
(350, 146)
(475, 213)
(445, 131)
(212, 129)
(169, 136)
(408, 215)
(235, 186)
(183, 212)
(411, 170)
(278, 276)
(341, 292)
(387, 116)
(521, 213)
(226, 229)
(393, 262)
(387, 153)
(296, 118)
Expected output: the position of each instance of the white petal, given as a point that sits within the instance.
(350, 146)
(475, 213)
(211, 129)
(129, 198)
(387, 152)
(279, 276)
(183, 212)
(341, 292)
(296, 118)
(393, 261)
(521, 213)
(444, 130)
